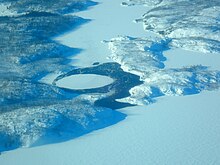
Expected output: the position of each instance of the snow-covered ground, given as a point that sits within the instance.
(4, 11)
(174, 130)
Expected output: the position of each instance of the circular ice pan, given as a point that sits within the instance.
(84, 81)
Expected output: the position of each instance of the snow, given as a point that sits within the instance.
(172, 130)
(84, 81)
(175, 130)
(188, 25)
(145, 58)
(88, 38)
(5, 11)
(57, 122)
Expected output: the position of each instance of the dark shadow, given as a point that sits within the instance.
(71, 129)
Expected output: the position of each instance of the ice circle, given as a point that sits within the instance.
(84, 81)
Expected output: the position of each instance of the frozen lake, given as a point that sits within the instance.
(109, 82)
(85, 81)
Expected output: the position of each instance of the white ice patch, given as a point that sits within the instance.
(6, 11)
(84, 81)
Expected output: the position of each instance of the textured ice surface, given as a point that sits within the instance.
(145, 58)
(141, 2)
(55, 6)
(192, 25)
(5, 11)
